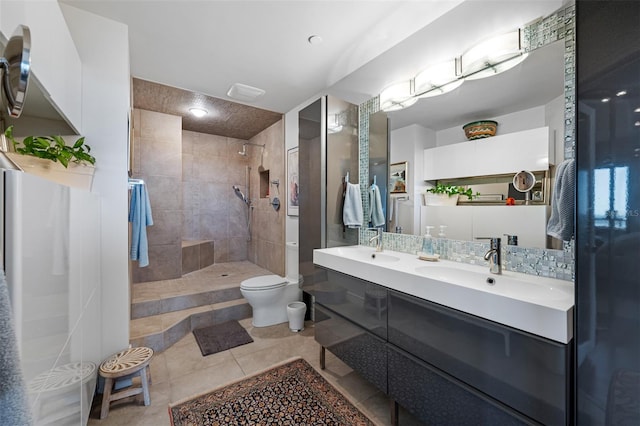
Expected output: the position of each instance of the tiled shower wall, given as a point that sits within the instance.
(211, 165)
(267, 246)
(544, 262)
(211, 211)
(189, 179)
(158, 160)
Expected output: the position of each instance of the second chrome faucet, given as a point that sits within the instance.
(493, 254)
(377, 237)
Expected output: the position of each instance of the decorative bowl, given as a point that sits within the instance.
(480, 129)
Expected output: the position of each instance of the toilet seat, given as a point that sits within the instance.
(264, 282)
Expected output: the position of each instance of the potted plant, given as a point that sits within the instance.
(446, 195)
(50, 157)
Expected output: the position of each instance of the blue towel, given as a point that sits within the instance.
(376, 215)
(560, 223)
(140, 218)
(352, 215)
(14, 404)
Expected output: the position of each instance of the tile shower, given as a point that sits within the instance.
(189, 178)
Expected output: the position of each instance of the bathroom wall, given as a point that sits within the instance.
(211, 165)
(158, 160)
(267, 245)
(189, 178)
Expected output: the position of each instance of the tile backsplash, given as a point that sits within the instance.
(549, 263)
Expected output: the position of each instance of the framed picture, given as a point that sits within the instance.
(293, 188)
(398, 177)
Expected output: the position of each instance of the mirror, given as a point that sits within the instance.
(37, 112)
(529, 96)
(524, 181)
(16, 66)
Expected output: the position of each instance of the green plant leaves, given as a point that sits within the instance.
(52, 148)
(452, 190)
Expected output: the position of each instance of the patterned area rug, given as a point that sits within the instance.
(292, 393)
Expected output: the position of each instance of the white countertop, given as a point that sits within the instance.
(538, 305)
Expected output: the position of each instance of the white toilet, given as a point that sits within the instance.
(269, 295)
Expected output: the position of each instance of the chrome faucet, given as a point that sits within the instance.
(377, 237)
(493, 255)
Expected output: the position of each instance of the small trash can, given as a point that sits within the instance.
(295, 313)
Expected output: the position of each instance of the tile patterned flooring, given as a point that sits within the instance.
(181, 371)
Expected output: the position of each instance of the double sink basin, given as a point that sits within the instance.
(538, 305)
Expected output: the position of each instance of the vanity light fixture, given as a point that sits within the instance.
(637, 124)
(621, 93)
(397, 96)
(198, 112)
(605, 100)
(493, 56)
(637, 109)
(438, 79)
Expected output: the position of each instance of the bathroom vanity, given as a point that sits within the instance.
(450, 342)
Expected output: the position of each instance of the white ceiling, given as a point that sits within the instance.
(206, 46)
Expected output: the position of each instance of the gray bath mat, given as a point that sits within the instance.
(220, 337)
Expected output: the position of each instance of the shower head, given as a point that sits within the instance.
(244, 148)
(239, 194)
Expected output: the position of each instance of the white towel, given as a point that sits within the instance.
(561, 224)
(352, 215)
(376, 215)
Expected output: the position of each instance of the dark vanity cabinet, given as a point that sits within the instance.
(442, 365)
(499, 365)
(351, 322)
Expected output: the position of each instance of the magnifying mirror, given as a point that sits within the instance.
(16, 66)
(524, 181)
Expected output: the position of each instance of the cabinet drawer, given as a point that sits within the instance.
(525, 372)
(356, 347)
(437, 399)
(362, 302)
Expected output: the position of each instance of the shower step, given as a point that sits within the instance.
(165, 304)
(159, 332)
(162, 312)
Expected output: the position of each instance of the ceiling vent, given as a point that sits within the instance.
(242, 92)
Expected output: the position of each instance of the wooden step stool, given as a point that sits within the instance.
(132, 361)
